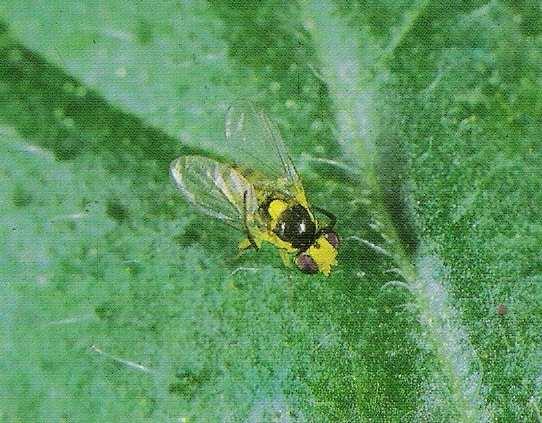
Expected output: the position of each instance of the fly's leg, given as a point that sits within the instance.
(332, 218)
(285, 258)
(244, 246)
(245, 220)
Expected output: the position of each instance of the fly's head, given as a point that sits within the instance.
(321, 255)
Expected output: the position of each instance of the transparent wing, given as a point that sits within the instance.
(257, 143)
(216, 189)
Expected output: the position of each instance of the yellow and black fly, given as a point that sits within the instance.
(261, 194)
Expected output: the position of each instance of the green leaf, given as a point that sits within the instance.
(416, 123)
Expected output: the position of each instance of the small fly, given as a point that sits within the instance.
(261, 195)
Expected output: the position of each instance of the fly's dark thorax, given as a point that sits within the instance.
(294, 225)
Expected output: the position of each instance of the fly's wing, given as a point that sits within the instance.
(216, 189)
(256, 141)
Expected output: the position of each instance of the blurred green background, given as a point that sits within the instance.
(119, 303)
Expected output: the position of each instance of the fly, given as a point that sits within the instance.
(261, 195)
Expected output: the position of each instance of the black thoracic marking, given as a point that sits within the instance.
(296, 227)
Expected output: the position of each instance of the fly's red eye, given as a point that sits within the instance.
(333, 239)
(306, 264)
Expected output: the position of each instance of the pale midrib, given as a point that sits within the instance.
(338, 50)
